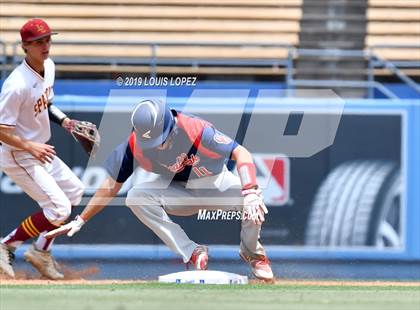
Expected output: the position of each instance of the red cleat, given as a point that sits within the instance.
(260, 266)
(199, 258)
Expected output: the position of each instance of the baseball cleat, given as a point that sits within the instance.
(6, 260)
(43, 262)
(260, 266)
(199, 258)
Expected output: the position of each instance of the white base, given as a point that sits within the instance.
(204, 277)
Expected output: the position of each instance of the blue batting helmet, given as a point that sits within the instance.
(152, 121)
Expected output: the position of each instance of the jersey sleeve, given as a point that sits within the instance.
(218, 142)
(120, 164)
(11, 99)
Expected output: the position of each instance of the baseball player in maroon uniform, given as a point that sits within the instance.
(189, 154)
(25, 113)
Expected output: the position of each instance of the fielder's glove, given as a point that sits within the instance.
(254, 207)
(86, 134)
(70, 228)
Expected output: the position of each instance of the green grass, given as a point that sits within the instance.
(176, 296)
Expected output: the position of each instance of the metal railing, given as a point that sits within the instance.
(399, 63)
(368, 55)
(376, 62)
(292, 53)
(154, 60)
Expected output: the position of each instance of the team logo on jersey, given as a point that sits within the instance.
(183, 161)
(221, 138)
(42, 103)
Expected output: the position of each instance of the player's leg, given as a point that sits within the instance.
(69, 183)
(152, 202)
(72, 187)
(33, 178)
(150, 208)
(251, 249)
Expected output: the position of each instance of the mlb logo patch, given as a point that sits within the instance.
(273, 176)
(221, 138)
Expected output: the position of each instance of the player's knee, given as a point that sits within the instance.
(133, 202)
(143, 211)
(77, 194)
(140, 199)
(63, 214)
(58, 211)
(63, 210)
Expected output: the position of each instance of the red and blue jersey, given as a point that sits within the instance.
(197, 150)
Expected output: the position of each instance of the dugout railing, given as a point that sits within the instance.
(237, 55)
(282, 55)
(373, 62)
(393, 66)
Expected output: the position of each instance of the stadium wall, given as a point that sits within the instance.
(371, 132)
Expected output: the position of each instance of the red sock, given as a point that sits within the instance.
(31, 227)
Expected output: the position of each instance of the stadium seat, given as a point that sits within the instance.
(394, 22)
(227, 21)
(251, 21)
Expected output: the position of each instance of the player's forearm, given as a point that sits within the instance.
(8, 137)
(246, 167)
(96, 205)
(106, 192)
(56, 115)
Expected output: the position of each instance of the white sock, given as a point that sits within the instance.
(14, 244)
(42, 243)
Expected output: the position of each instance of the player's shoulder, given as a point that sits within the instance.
(216, 136)
(49, 63)
(15, 82)
(190, 120)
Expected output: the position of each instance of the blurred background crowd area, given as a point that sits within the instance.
(302, 43)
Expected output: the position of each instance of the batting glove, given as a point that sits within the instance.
(254, 207)
(70, 228)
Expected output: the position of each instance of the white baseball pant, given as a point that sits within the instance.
(53, 185)
(152, 202)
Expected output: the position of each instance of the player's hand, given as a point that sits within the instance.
(70, 228)
(85, 133)
(254, 207)
(69, 124)
(43, 152)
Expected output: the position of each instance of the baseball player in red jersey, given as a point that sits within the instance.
(189, 155)
(25, 113)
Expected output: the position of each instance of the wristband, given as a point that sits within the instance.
(80, 219)
(248, 175)
(55, 114)
(255, 191)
